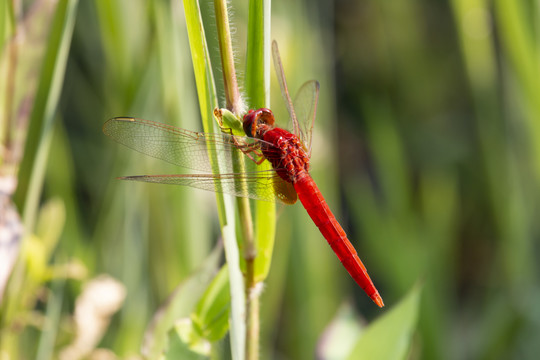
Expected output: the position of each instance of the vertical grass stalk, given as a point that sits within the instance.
(32, 168)
(234, 104)
(208, 102)
(257, 85)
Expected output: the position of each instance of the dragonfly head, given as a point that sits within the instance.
(258, 120)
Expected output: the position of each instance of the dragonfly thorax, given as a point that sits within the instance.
(287, 155)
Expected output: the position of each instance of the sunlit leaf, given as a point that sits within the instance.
(208, 102)
(180, 304)
(257, 84)
(211, 317)
(389, 337)
(341, 334)
(184, 346)
(32, 168)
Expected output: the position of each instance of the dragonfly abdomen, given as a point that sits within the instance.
(324, 219)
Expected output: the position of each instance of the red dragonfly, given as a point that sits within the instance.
(288, 152)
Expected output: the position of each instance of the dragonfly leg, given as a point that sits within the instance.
(246, 148)
(249, 149)
(260, 161)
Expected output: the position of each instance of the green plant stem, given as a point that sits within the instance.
(12, 48)
(252, 313)
(252, 326)
(234, 104)
(257, 85)
(208, 102)
(32, 168)
(232, 94)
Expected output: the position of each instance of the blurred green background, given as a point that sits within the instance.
(425, 146)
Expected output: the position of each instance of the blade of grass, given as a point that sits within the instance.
(232, 94)
(257, 84)
(21, 66)
(523, 51)
(180, 304)
(38, 140)
(496, 150)
(7, 23)
(207, 102)
(210, 318)
(390, 336)
(42, 119)
(234, 103)
(518, 24)
(8, 58)
(53, 314)
(114, 37)
(176, 83)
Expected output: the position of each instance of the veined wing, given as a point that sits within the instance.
(305, 105)
(189, 149)
(259, 185)
(302, 111)
(280, 73)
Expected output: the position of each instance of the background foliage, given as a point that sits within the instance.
(426, 145)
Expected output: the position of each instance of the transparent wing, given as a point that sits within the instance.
(188, 149)
(278, 65)
(305, 105)
(261, 185)
(302, 111)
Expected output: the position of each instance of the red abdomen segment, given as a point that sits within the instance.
(320, 213)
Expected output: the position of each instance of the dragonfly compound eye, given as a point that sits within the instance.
(255, 118)
(249, 119)
(266, 116)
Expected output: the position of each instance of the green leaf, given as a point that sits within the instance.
(208, 102)
(389, 337)
(41, 128)
(202, 68)
(6, 22)
(45, 349)
(50, 224)
(257, 85)
(228, 122)
(211, 317)
(184, 346)
(238, 303)
(257, 80)
(341, 334)
(180, 304)
(39, 249)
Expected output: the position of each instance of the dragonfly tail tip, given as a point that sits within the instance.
(377, 299)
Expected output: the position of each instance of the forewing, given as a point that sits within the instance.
(305, 105)
(278, 65)
(302, 111)
(177, 146)
(257, 185)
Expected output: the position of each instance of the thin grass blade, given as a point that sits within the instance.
(32, 168)
(208, 102)
(257, 82)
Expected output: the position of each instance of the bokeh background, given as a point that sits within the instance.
(425, 145)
